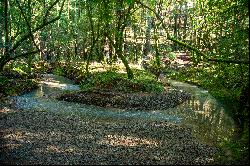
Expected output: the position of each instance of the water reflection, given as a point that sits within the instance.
(202, 112)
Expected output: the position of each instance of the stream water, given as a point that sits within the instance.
(202, 113)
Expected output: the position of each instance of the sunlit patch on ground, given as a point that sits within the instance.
(57, 84)
(15, 136)
(203, 159)
(58, 149)
(116, 140)
(5, 110)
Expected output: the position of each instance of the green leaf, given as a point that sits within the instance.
(130, 1)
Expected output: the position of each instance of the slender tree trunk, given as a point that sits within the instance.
(185, 23)
(120, 55)
(30, 57)
(5, 57)
(6, 24)
(1, 29)
(157, 54)
(147, 46)
(94, 37)
(175, 30)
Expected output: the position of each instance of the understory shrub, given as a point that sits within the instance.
(119, 82)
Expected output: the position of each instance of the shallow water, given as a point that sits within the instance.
(202, 112)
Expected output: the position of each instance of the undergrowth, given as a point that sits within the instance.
(112, 80)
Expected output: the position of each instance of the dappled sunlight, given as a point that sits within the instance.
(54, 84)
(58, 149)
(201, 113)
(205, 108)
(90, 82)
(18, 135)
(15, 139)
(127, 141)
(5, 110)
(101, 67)
(85, 136)
(41, 141)
(204, 159)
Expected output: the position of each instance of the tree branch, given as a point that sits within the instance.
(5, 59)
(26, 36)
(28, 25)
(7, 40)
(48, 10)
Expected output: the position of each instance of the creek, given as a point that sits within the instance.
(202, 113)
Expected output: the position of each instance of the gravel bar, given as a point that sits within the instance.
(135, 101)
(40, 137)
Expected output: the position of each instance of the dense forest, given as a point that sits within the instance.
(131, 46)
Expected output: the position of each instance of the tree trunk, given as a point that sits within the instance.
(1, 29)
(30, 57)
(128, 69)
(157, 55)
(147, 46)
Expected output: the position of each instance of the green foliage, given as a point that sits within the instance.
(58, 71)
(42, 67)
(3, 81)
(223, 81)
(143, 75)
(234, 152)
(130, 1)
(17, 32)
(153, 66)
(19, 70)
(171, 56)
(115, 81)
(71, 71)
(10, 87)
